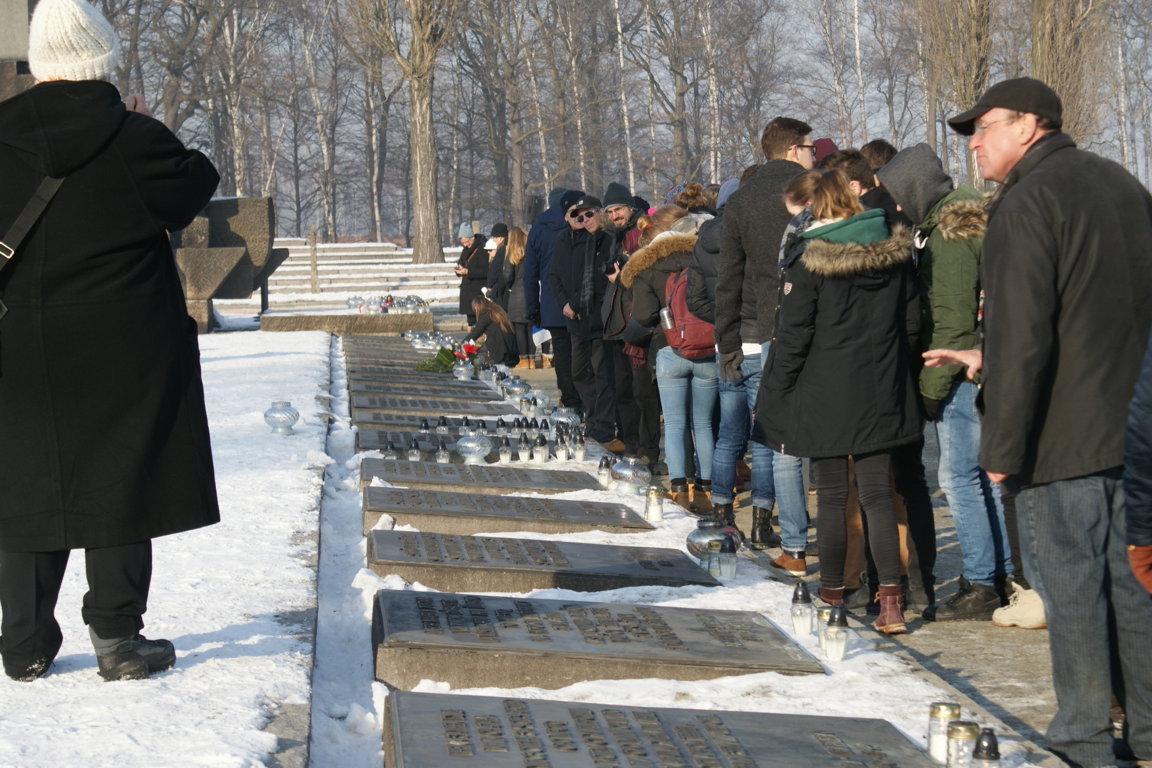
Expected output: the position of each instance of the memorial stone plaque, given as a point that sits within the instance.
(411, 421)
(364, 404)
(412, 378)
(438, 730)
(474, 478)
(369, 438)
(452, 563)
(430, 390)
(467, 513)
(473, 641)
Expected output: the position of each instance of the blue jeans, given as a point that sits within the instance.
(736, 401)
(786, 482)
(1072, 534)
(973, 501)
(676, 377)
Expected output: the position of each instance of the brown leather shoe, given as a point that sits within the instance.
(793, 562)
(679, 494)
(615, 445)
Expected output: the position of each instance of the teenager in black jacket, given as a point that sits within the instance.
(837, 382)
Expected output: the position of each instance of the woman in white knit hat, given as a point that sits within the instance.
(103, 435)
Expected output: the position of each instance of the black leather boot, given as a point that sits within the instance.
(762, 535)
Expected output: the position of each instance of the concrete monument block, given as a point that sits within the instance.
(469, 513)
(436, 730)
(453, 563)
(472, 478)
(474, 641)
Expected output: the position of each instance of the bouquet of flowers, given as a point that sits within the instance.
(447, 356)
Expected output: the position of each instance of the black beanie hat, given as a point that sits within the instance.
(617, 194)
(569, 198)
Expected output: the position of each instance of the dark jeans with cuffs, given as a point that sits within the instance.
(1072, 537)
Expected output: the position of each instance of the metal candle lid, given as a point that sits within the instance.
(944, 710)
(963, 729)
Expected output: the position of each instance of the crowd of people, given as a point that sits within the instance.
(818, 316)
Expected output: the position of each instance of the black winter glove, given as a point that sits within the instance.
(730, 363)
(535, 320)
(931, 407)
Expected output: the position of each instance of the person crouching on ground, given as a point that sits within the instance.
(494, 331)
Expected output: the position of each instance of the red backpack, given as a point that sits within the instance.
(691, 337)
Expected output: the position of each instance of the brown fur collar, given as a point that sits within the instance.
(661, 248)
(962, 219)
(828, 259)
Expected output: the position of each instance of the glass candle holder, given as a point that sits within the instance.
(281, 416)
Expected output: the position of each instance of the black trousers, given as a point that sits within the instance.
(562, 363)
(874, 490)
(525, 347)
(627, 411)
(118, 582)
(592, 377)
(908, 476)
(647, 397)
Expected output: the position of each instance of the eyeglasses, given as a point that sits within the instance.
(582, 215)
(980, 129)
(811, 147)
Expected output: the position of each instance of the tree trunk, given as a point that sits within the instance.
(426, 248)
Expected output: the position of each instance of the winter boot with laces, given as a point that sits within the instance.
(1025, 609)
(891, 618)
(974, 602)
(678, 492)
(132, 658)
(762, 536)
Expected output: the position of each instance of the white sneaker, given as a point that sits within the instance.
(1025, 609)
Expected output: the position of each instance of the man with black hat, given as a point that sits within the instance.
(578, 282)
(1067, 272)
(637, 399)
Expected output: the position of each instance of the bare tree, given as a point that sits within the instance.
(413, 32)
(1067, 38)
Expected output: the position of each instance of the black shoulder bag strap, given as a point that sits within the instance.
(25, 221)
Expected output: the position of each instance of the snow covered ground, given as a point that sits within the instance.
(233, 597)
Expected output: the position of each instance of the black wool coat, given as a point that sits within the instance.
(754, 222)
(577, 278)
(103, 433)
(1067, 274)
(475, 258)
(838, 379)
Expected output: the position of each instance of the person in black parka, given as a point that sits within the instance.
(104, 439)
(838, 381)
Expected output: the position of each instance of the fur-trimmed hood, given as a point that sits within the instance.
(664, 245)
(962, 219)
(829, 259)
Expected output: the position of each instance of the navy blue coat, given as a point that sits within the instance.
(537, 260)
(1138, 457)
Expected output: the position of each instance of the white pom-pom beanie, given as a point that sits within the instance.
(71, 40)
